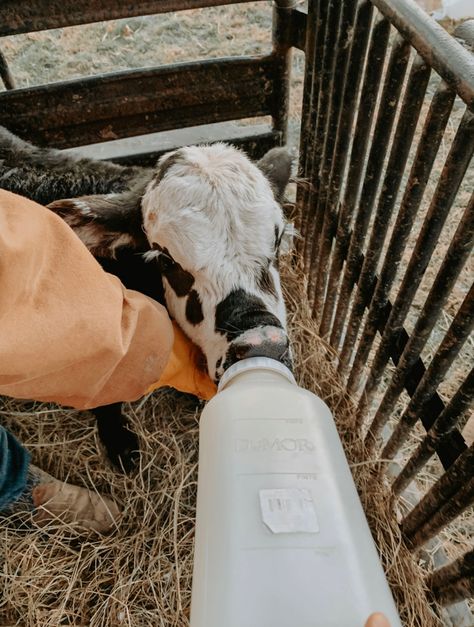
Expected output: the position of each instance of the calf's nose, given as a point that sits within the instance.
(264, 341)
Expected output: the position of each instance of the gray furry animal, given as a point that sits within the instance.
(45, 174)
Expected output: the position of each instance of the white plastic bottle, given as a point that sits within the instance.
(281, 537)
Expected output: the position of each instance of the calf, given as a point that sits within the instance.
(210, 227)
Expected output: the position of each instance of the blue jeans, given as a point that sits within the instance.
(14, 462)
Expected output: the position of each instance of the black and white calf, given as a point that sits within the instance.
(210, 226)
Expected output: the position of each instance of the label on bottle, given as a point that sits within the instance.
(288, 510)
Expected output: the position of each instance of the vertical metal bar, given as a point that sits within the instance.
(456, 505)
(282, 56)
(368, 98)
(404, 132)
(462, 588)
(341, 153)
(458, 252)
(450, 179)
(327, 79)
(306, 110)
(452, 343)
(373, 72)
(447, 486)
(454, 581)
(448, 419)
(431, 136)
(385, 117)
(338, 71)
(5, 73)
(308, 141)
(445, 55)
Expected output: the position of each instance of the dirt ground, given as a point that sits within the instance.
(61, 54)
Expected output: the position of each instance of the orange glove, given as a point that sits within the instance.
(184, 371)
(70, 332)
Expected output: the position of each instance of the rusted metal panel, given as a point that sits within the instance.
(391, 89)
(399, 150)
(366, 107)
(446, 513)
(26, 16)
(5, 73)
(282, 12)
(314, 46)
(454, 581)
(335, 88)
(428, 145)
(136, 102)
(453, 262)
(441, 51)
(450, 179)
(438, 435)
(448, 490)
(341, 196)
(327, 83)
(146, 150)
(349, 109)
(445, 424)
(386, 114)
(452, 343)
(297, 33)
(320, 121)
(453, 444)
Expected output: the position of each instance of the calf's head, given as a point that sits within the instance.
(214, 227)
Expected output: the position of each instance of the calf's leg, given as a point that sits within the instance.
(120, 443)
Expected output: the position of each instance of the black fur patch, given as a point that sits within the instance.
(277, 238)
(109, 217)
(46, 175)
(194, 312)
(241, 311)
(136, 273)
(173, 159)
(241, 350)
(266, 283)
(181, 281)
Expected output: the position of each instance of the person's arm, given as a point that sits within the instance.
(70, 332)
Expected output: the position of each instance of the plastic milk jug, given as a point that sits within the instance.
(281, 536)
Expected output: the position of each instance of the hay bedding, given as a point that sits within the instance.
(141, 574)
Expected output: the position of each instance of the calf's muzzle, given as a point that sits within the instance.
(263, 341)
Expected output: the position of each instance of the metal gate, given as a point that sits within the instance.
(387, 141)
(383, 86)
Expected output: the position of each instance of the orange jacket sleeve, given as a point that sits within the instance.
(70, 332)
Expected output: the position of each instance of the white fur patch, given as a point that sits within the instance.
(215, 212)
(83, 207)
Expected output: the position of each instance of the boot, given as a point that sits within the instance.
(49, 499)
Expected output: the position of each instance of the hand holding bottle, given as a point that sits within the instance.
(377, 620)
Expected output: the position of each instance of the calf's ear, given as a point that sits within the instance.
(276, 165)
(105, 223)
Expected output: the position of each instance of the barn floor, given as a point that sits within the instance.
(67, 53)
(140, 575)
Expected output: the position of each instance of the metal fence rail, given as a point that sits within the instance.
(26, 16)
(388, 109)
(125, 104)
(377, 132)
